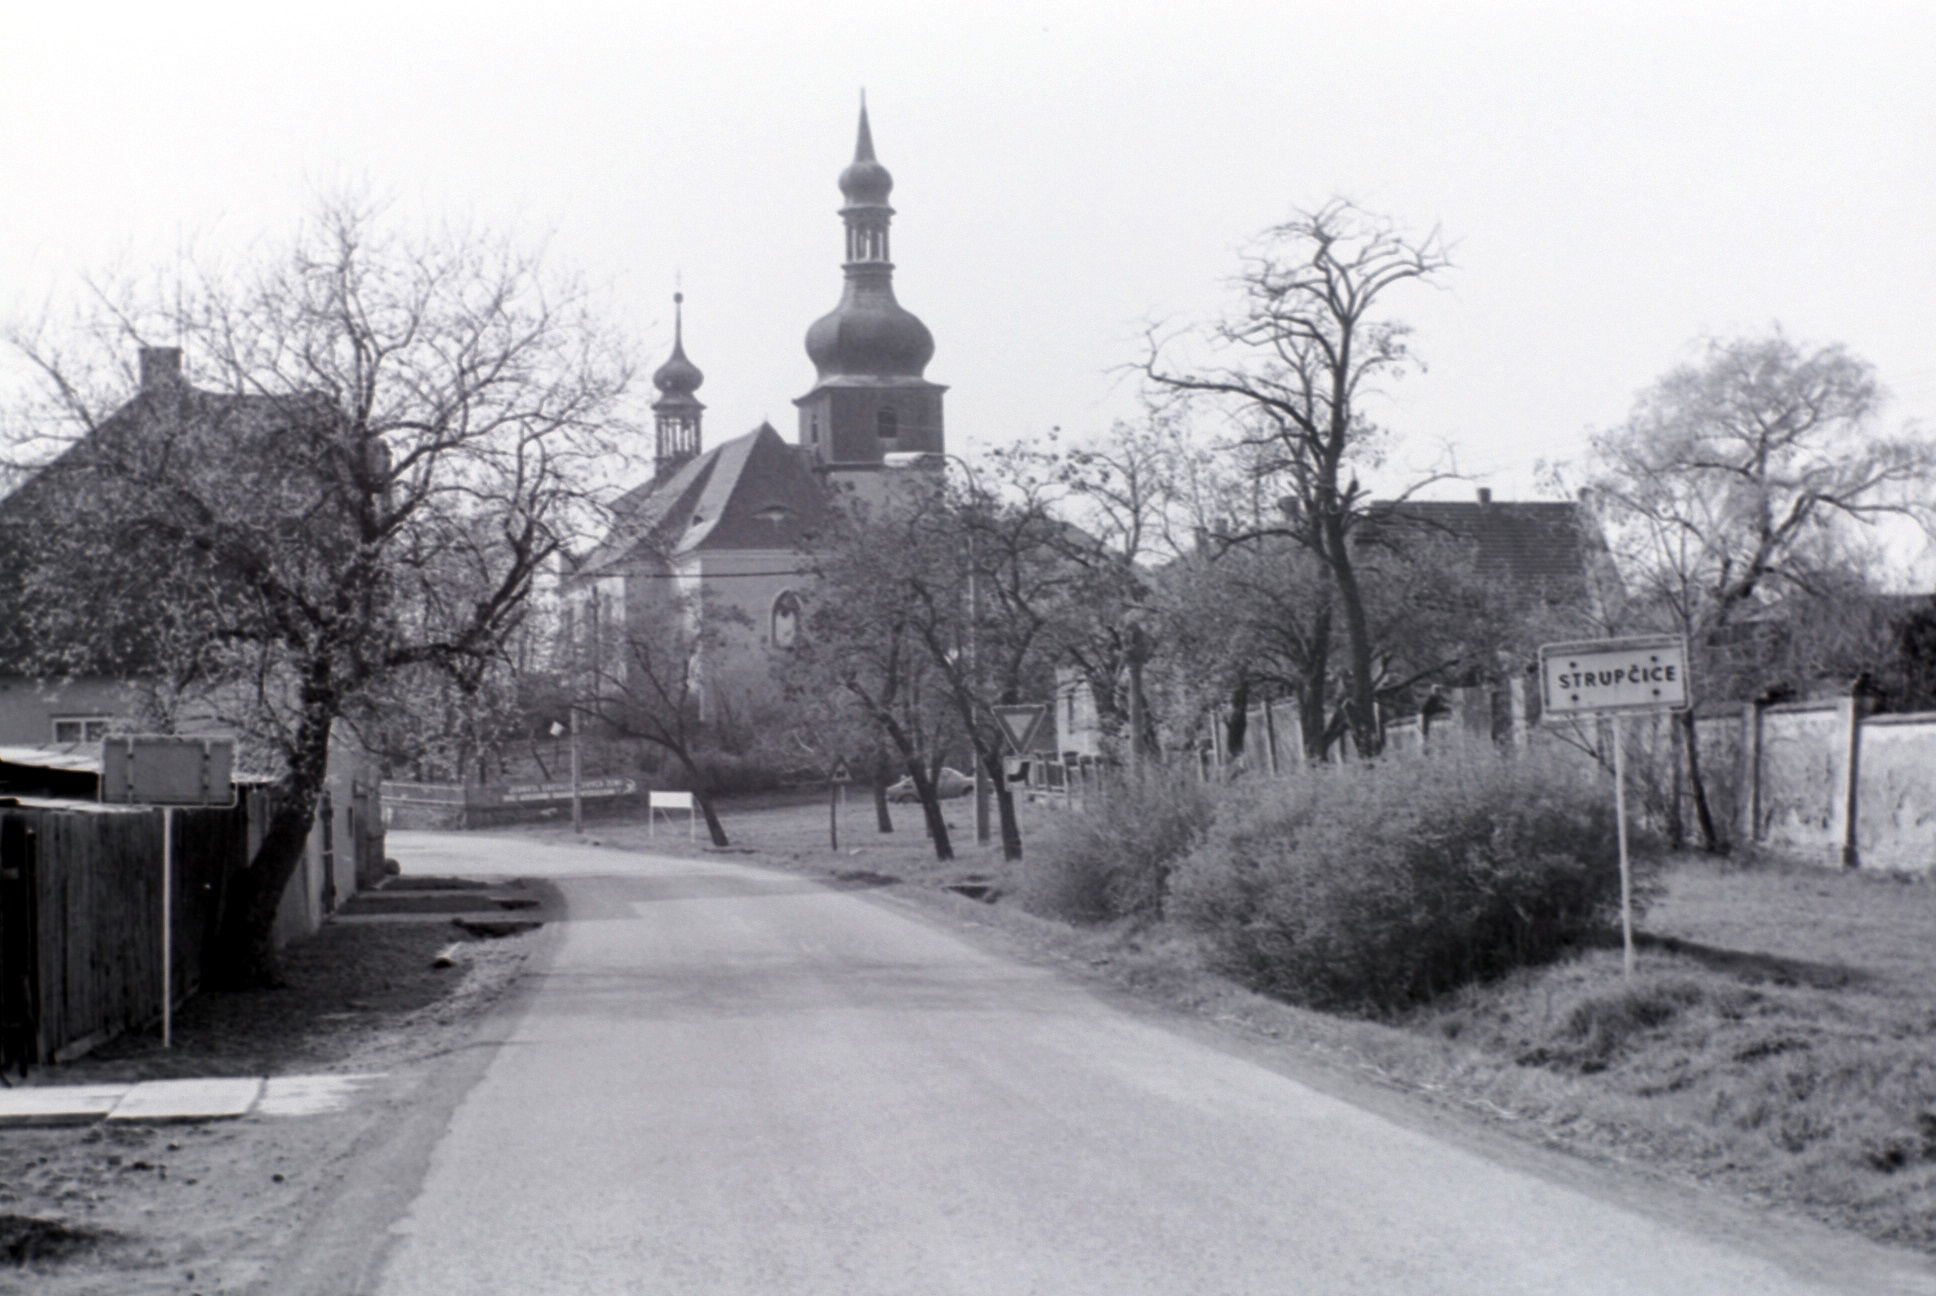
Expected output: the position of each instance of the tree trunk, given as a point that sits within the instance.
(930, 808)
(244, 957)
(1676, 820)
(1710, 839)
(714, 829)
(883, 820)
(1237, 728)
(1361, 712)
(1313, 713)
(1005, 807)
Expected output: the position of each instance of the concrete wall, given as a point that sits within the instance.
(1896, 799)
(1803, 771)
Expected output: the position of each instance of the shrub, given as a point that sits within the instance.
(1113, 858)
(1369, 887)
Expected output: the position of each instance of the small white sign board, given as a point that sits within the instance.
(1610, 676)
(658, 803)
(166, 770)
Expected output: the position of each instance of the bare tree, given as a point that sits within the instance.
(645, 675)
(1296, 365)
(384, 444)
(1732, 485)
(862, 643)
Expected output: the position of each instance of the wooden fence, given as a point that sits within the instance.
(80, 918)
(483, 805)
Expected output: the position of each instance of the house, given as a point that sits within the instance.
(58, 705)
(1550, 553)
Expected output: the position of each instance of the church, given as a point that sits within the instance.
(722, 530)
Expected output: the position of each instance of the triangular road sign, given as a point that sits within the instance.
(839, 773)
(1020, 723)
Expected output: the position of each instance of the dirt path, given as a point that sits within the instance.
(131, 1210)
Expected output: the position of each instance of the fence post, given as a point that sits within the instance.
(1850, 709)
(1747, 794)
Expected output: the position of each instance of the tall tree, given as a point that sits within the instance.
(384, 443)
(1731, 486)
(861, 642)
(653, 672)
(1297, 364)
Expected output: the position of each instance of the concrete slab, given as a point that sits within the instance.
(59, 1104)
(310, 1095)
(188, 1100)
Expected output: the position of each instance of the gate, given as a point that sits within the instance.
(19, 945)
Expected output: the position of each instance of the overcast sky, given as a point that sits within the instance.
(1618, 180)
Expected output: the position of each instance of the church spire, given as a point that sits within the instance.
(676, 414)
(870, 353)
(866, 184)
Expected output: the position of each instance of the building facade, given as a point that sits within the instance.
(722, 534)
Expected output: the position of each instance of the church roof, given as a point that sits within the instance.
(753, 492)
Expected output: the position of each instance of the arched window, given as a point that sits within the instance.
(888, 424)
(786, 619)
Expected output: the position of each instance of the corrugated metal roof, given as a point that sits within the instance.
(84, 757)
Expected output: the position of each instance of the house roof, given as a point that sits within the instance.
(1549, 545)
(753, 492)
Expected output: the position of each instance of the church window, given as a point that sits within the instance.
(888, 424)
(786, 619)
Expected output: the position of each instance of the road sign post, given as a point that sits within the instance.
(168, 771)
(1614, 678)
(837, 779)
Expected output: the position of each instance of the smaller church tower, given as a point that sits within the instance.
(676, 414)
(870, 398)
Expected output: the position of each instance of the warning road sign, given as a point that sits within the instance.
(1020, 724)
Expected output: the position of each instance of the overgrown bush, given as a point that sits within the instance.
(1113, 858)
(1369, 887)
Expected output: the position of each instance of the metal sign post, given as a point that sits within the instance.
(836, 793)
(167, 771)
(1614, 678)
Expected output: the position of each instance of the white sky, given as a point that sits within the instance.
(1619, 179)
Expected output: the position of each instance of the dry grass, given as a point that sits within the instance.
(1779, 1035)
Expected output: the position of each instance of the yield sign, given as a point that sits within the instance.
(1020, 724)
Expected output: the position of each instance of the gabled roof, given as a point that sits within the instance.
(753, 492)
(1550, 546)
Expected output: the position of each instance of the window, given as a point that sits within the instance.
(888, 424)
(786, 619)
(69, 730)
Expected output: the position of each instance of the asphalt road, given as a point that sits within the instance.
(736, 1081)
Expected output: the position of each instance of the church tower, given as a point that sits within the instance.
(676, 414)
(870, 398)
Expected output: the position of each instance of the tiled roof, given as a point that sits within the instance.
(1547, 545)
(753, 492)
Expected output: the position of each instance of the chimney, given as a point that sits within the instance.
(1485, 495)
(160, 367)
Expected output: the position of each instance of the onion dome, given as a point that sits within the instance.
(869, 335)
(678, 377)
(865, 182)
